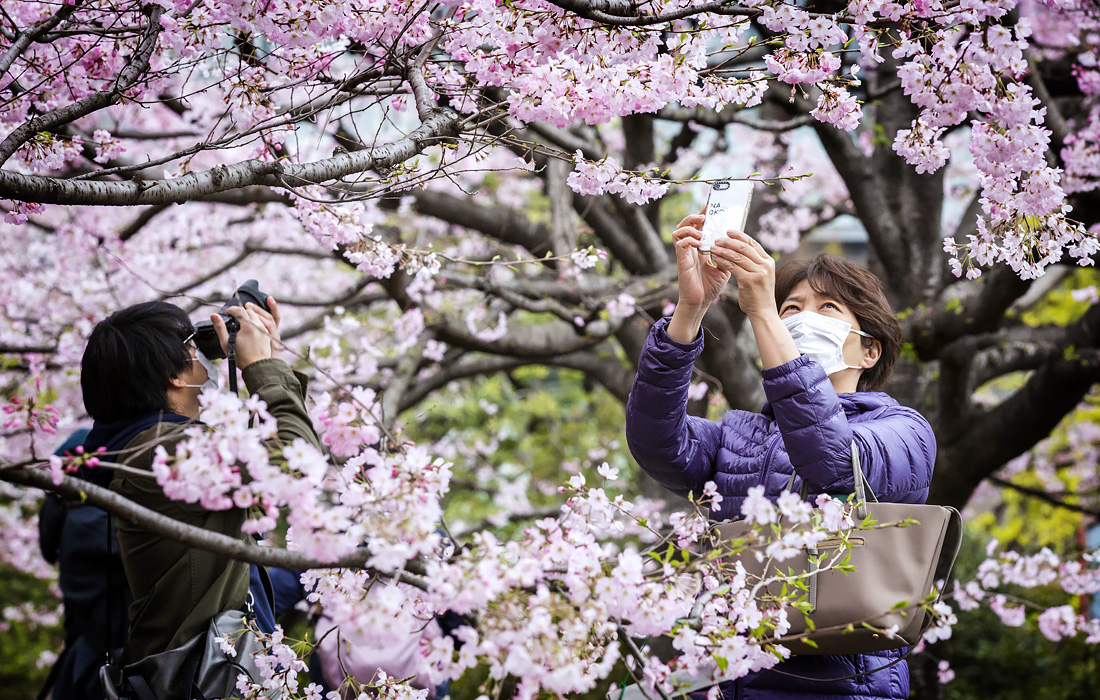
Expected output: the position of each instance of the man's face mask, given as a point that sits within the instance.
(211, 372)
(821, 338)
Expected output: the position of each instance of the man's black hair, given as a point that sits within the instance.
(131, 357)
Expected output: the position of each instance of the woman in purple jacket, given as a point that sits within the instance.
(827, 337)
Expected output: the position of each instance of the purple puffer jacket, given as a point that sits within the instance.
(805, 427)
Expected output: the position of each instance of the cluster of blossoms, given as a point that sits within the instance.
(608, 176)
(330, 514)
(793, 67)
(348, 427)
(621, 307)
(1044, 568)
(29, 614)
(836, 106)
(20, 550)
(553, 607)
(561, 71)
(30, 413)
(954, 71)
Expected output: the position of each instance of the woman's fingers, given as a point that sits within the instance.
(692, 221)
(751, 243)
(686, 243)
(742, 254)
(689, 232)
(741, 247)
(731, 261)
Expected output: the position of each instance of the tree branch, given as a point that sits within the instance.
(608, 228)
(402, 379)
(27, 350)
(644, 235)
(200, 538)
(981, 443)
(222, 178)
(719, 120)
(607, 371)
(982, 310)
(1044, 496)
(624, 14)
(542, 341)
(140, 221)
(568, 141)
(31, 34)
(563, 220)
(504, 224)
(1054, 120)
(125, 79)
(1014, 350)
(866, 191)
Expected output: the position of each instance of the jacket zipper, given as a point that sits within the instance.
(767, 462)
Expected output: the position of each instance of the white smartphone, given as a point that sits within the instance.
(727, 208)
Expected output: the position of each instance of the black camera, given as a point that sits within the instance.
(206, 338)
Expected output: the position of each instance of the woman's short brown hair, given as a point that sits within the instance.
(860, 291)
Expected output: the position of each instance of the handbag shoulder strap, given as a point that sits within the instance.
(863, 487)
(859, 479)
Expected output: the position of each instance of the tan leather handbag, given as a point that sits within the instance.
(895, 569)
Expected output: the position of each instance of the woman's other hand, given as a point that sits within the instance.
(740, 255)
(699, 283)
(754, 271)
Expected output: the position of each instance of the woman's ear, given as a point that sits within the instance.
(871, 354)
(177, 382)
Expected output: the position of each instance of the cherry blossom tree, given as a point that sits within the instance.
(440, 191)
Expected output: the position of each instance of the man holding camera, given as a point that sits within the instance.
(141, 376)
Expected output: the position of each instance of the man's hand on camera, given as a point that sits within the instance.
(258, 338)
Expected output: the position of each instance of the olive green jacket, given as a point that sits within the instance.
(178, 589)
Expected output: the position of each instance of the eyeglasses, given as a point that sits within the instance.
(189, 342)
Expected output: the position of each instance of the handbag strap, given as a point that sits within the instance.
(859, 479)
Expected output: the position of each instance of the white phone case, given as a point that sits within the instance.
(727, 208)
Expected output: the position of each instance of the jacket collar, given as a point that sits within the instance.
(115, 436)
(854, 403)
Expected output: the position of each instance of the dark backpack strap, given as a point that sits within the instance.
(265, 581)
(51, 521)
(139, 689)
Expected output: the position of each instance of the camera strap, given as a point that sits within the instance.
(231, 355)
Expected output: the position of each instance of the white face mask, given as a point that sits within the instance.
(821, 338)
(211, 372)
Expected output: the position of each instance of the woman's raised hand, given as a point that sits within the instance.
(700, 283)
(740, 255)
